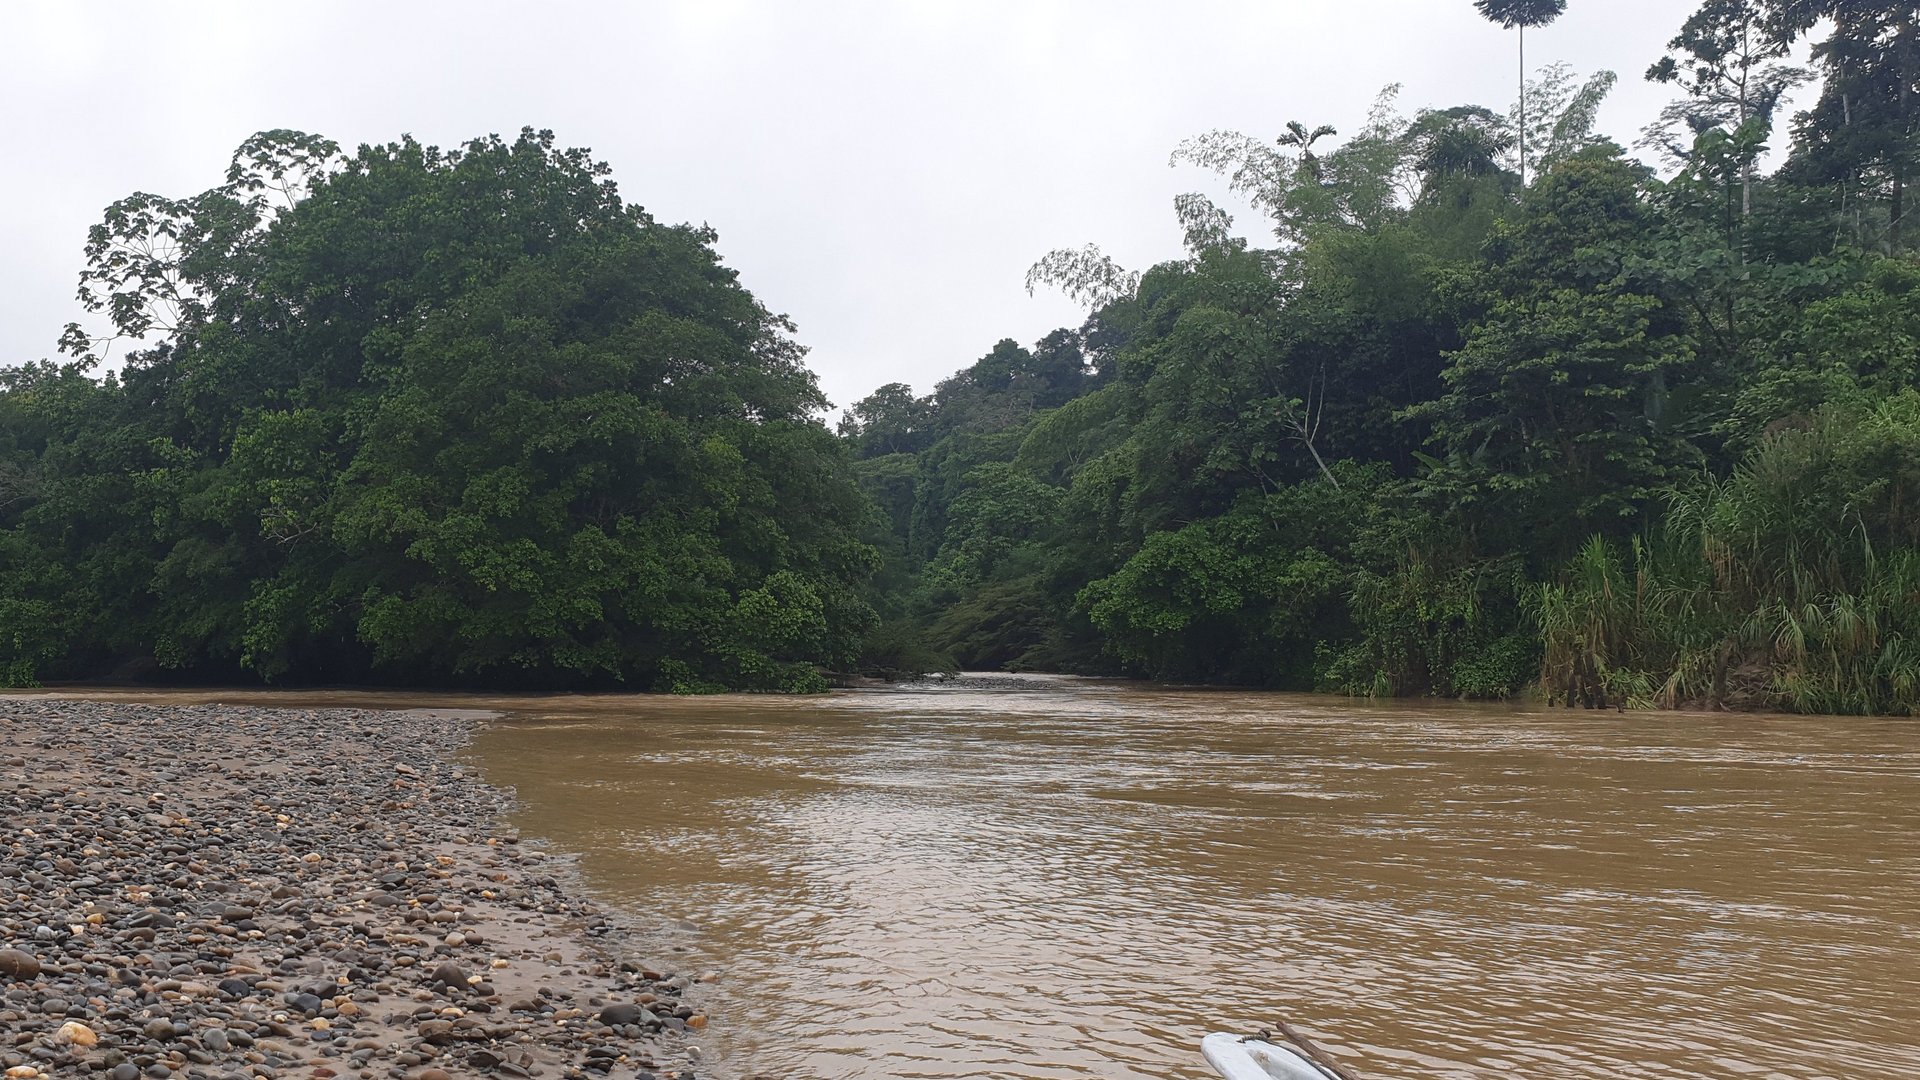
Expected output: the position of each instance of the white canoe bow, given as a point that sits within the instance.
(1237, 1057)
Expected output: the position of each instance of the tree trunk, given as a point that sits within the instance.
(1523, 106)
(1324, 471)
(1746, 166)
(1903, 70)
(1720, 674)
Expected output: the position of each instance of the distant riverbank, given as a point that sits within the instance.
(227, 890)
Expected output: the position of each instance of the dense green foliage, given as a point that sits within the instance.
(413, 415)
(1622, 438)
(1499, 409)
(1792, 583)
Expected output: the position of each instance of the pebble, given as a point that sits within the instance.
(74, 1033)
(19, 965)
(239, 892)
(621, 1015)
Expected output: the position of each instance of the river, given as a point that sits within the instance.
(1078, 879)
(1059, 878)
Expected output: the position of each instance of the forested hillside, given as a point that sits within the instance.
(1490, 406)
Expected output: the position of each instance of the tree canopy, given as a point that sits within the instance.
(1476, 404)
(414, 414)
(1456, 431)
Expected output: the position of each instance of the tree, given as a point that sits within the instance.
(1552, 418)
(1864, 131)
(888, 421)
(1463, 143)
(1722, 59)
(417, 414)
(1087, 275)
(1356, 185)
(1563, 108)
(1518, 15)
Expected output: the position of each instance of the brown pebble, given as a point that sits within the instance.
(15, 964)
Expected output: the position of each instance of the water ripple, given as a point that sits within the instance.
(1079, 880)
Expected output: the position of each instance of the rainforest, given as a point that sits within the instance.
(1485, 403)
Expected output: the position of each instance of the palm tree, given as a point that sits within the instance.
(1518, 15)
(1298, 137)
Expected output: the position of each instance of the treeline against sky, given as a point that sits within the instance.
(1618, 434)
(1619, 438)
(424, 417)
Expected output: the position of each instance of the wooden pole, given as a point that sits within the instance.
(1314, 1053)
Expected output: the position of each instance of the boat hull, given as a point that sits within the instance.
(1235, 1058)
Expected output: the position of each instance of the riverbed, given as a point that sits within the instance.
(1059, 878)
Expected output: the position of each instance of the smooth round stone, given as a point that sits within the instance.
(619, 1015)
(19, 964)
(76, 1034)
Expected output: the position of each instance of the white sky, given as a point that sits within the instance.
(882, 172)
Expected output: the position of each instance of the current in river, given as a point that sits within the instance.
(1060, 878)
(1073, 879)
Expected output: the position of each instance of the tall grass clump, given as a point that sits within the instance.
(1793, 583)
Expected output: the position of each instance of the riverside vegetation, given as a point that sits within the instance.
(1499, 409)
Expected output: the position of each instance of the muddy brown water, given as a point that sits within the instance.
(1078, 879)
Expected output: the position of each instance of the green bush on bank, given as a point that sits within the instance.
(1792, 584)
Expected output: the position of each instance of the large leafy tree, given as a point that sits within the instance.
(1553, 422)
(429, 414)
(891, 420)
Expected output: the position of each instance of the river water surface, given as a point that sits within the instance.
(1077, 879)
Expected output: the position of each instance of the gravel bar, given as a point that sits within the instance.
(226, 891)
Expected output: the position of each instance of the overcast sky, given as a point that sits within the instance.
(882, 172)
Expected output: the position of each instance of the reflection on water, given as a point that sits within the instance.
(1079, 880)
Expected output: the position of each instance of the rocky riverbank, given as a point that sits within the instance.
(221, 891)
